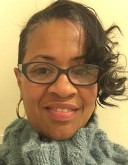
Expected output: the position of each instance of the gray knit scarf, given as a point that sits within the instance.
(89, 146)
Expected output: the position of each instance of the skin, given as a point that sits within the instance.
(55, 44)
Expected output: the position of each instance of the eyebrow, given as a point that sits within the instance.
(46, 57)
(77, 58)
(52, 58)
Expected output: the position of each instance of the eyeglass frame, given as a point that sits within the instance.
(23, 69)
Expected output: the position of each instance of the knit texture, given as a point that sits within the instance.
(89, 146)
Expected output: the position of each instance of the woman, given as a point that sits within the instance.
(66, 65)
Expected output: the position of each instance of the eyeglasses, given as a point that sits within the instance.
(45, 73)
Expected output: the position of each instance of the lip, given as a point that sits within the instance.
(68, 112)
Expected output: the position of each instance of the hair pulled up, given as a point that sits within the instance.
(99, 48)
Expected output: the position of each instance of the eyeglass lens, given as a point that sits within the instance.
(47, 73)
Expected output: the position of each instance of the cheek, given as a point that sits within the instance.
(88, 94)
(32, 94)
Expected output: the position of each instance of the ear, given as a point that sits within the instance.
(18, 76)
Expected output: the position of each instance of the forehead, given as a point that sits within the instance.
(56, 36)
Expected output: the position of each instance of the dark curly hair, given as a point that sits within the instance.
(98, 49)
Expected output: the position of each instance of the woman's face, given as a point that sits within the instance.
(59, 109)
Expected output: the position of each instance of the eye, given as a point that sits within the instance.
(42, 70)
(80, 72)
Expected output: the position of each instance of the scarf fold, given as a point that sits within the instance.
(89, 146)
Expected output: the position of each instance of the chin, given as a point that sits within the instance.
(57, 135)
(59, 132)
(62, 135)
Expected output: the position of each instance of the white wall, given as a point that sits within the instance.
(13, 15)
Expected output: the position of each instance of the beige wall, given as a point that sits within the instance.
(13, 15)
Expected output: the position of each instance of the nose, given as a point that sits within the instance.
(62, 87)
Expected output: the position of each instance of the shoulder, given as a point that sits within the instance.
(16, 126)
(16, 134)
(104, 148)
(18, 129)
(2, 162)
